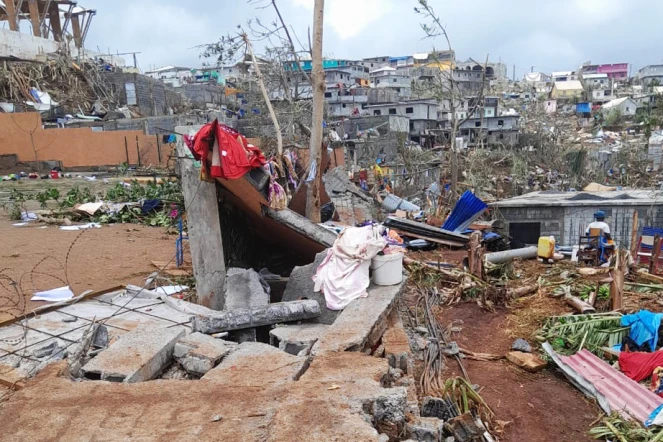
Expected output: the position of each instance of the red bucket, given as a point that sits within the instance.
(55, 174)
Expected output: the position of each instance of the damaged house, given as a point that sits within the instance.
(565, 215)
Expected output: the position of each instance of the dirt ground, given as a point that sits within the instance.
(540, 407)
(40, 257)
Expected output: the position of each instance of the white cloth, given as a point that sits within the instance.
(598, 225)
(343, 274)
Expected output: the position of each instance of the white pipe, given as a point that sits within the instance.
(524, 253)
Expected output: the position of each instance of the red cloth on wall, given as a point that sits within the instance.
(640, 365)
(224, 152)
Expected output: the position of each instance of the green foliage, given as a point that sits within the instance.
(604, 292)
(16, 204)
(77, 195)
(46, 195)
(614, 118)
(616, 428)
(570, 334)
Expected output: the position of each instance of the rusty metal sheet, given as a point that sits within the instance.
(609, 386)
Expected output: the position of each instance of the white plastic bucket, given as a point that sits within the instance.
(387, 269)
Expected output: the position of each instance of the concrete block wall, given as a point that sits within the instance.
(153, 97)
(567, 223)
(551, 218)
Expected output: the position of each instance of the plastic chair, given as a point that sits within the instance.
(590, 247)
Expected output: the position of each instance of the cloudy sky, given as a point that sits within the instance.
(549, 35)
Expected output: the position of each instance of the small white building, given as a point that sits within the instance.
(550, 106)
(655, 151)
(595, 80)
(626, 106)
(175, 76)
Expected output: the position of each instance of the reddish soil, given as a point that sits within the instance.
(39, 258)
(540, 407)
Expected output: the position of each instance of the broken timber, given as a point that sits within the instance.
(239, 319)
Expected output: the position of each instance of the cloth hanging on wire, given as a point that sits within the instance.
(224, 152)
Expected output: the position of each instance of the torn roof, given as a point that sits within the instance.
(550, 198)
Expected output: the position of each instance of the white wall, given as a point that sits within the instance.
(25, 46)
(28, 47)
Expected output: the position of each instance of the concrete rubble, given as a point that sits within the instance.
(362, 323)
(137, 356)
(301, 286)
(244, 289)
(239, 319)
(199, 353)
(297, 339)
(426, 429)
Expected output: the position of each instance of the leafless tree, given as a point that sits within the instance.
(319, 87)
(445, 88)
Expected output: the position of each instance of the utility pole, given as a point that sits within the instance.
(514, 73)
(319, 87)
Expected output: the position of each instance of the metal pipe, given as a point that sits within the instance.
(524, 253)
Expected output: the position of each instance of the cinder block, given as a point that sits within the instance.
(199, 353)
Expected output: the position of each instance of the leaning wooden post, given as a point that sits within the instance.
(634, 234)
(475, 256)
(655, 254)
(617, 284)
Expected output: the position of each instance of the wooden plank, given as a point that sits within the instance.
(459, 245)
(634, 233)
(11, 14)
(203, 227)
(34, 17)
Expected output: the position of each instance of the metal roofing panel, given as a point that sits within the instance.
(622, 394)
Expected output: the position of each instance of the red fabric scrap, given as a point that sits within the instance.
(231, 158)
(640, 365)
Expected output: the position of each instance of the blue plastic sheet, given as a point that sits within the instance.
(644, 327)
(468, 208)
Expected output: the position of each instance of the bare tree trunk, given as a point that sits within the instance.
(319, 86)
(265, 95)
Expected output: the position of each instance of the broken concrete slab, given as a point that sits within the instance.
(526, 361)
(426, 429)
(297, 339)
(244, 288)
(301, 286)
(137, 356)
(199, 353)
(257, 365)
(397, 344)
(362, 323)
(254, 317)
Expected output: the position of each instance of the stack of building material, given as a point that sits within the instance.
(424, 231)
(468, 208)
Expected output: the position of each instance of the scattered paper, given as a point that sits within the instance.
(82, 226)
(19, 224)
(54, 295)
(29, 216)
(171, 289)
(89, 208)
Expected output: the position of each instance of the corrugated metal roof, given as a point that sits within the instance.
(622, 394)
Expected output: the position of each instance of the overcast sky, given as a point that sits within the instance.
(550, 35)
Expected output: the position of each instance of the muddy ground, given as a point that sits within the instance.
(40, 257)
(540, 407)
